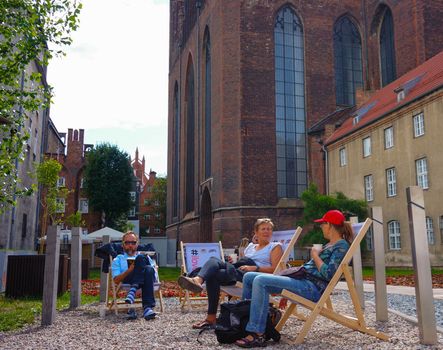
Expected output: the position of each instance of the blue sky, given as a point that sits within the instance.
(113, 82)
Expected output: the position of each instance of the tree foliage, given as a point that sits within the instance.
(108, 177)
(75, 220)
(316, 204)
(31, 31)
(47, 176)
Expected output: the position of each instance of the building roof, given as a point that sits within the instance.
(336, 118)
(415, 84)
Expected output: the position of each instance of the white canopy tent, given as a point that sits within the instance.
(106, 231)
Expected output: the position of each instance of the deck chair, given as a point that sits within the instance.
(194, 255)
(324, 307)
(116, 303)
(288, 239)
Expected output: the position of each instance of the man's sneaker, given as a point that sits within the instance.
(132, 315)
(148, 314)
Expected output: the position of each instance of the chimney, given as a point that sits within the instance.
(362, 96)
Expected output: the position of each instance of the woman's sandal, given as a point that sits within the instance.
(189, 284)
(204, 325)
(257, 341)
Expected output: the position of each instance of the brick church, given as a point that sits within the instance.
(256, 86)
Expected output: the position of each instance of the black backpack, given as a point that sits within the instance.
(233, 318)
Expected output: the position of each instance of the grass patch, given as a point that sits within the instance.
(166, 273)
(397, 271)
(15, 313)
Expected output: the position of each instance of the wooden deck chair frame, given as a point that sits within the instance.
(324, 307)
(236, 290)
(185, 298)
(113, 302)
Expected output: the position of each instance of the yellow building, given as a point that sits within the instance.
(391, 142)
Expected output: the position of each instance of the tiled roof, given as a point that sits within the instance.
(416, 83)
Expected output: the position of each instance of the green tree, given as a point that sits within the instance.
(108, 178)
(75, 220)
(316, 204)
(47, 177)
(31, 31)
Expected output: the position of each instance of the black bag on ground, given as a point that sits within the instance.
(233, 318)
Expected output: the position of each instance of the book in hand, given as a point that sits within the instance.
(131, 261)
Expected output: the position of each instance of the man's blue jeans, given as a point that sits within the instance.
(143, 276)
(258, 287)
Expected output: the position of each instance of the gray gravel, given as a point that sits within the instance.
(84, 329)
(406, 304)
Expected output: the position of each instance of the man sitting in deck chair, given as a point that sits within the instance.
(317, 273)
(139, 274)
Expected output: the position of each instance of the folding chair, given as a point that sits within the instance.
(324, 307)
(195, 255)
(114, 302)
(288, 240)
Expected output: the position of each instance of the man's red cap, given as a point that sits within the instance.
(334, 217)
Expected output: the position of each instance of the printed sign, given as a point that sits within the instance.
(196, 254)
(284, 237)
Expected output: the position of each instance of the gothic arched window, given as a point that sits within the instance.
(207, 101)
(176, 155)
(387, 49)
(348, 61)
(290, 105)
(190, 135)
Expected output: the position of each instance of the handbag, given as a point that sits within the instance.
(298, 272)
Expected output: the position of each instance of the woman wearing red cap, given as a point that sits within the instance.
(318, 272)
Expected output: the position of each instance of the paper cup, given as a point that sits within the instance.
(233, 258)
(317, 247)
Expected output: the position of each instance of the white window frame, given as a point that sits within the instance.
(421, 168)
(133, 197)
(430, 230)
(389, 137)
(82, 182)
(419, 125)
(342, 156)
(83, 205)
(157, 229)
(367, 147)
(157, 203)
(394, 235)
(147, 217)
(61, 181)
(369, 188)
(62, 203)
(146, 202)
(391, 182)
(131, 212)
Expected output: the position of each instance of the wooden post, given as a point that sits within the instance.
(422, 266)
(50, 281)
(76, 267)
(104, 276)
(378, 255)
(357, 269)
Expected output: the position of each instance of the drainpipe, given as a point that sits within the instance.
(326, 165)
(198, 5)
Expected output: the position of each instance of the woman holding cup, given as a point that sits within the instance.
(262, 256)
(309, 282)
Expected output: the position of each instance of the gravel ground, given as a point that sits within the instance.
(84, 329)
(406, 304)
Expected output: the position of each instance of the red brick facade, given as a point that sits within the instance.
(243, 182)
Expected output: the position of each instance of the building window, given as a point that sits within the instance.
(83, 206)
(391, 181)
(176, 155)
(61, 182)
(157, 215)
(430, 230)
(389, 137)
(190, 139)
(421, 167)
(347, 61)
(156, 229)
(387, 49)
(394, 235)
(290, 115)
(369, 188)
(61, 204)
(366, 147)
(82, 182)
(419, 125)
(131, 212)
(147, 217)
(342, 156)
(370, 239)
(207, 99)
(156, 203)
(132, 194)
(146, 202)
(148, 230)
